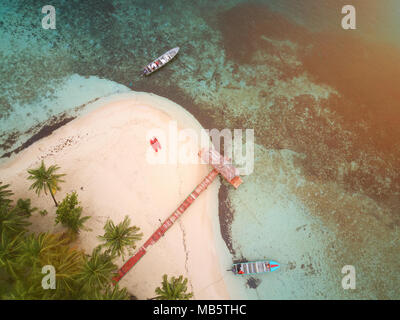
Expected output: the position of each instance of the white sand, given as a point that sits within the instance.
(68, 95)
(103, 155)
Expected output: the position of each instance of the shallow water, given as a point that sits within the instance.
(324, 104)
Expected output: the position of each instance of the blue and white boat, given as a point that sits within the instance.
(255, 267)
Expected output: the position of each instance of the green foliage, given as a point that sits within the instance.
(34, 252)
(24, 207)
(23, 255)
(175, 289)
(69, 214)
(38, 248)
(119, 237)
(43, 212)
(12, 221)
(68, 264)
(9, 252)
(5, 194)
(98, 270)
(13, 225)
(45, 179)
(27, 289)
(110, 292)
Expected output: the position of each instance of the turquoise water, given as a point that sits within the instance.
(323, 103)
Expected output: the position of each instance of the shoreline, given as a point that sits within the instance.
(46, 128)
(63, 99)
(80, 149)
(45, 131)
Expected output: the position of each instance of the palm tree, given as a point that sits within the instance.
(67, 262)
(97, 271)
(26, 289)
(9, 252)
(69, 214)
(5, 194)
(109, 293)
(11, 222)
(173, 290)
(45, 179)
(24, 207)
(38, 248)
(119, 237)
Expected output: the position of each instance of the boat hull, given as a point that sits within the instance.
(255, 267)
(160, 61)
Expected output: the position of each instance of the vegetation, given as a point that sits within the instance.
(5, 194)
(119, 237)
(12, 221)
(23, 255)
(69, 214)
(24, 207)
(78, 275)
(98, 270)
(9, 252)
(175, 289)
(112, 293)
(45, 180)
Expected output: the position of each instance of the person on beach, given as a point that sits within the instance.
(155, 144)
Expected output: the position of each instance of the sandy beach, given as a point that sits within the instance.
(103, 154)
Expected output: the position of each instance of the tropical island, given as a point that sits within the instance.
(85, 197)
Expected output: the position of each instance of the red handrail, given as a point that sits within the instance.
(167, 224)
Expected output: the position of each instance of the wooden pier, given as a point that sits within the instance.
(220, 165)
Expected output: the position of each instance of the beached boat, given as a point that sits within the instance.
(246, 268)
(160, 61)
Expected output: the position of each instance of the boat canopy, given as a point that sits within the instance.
(160, 61)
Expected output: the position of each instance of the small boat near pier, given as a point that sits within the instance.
(246, 268)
